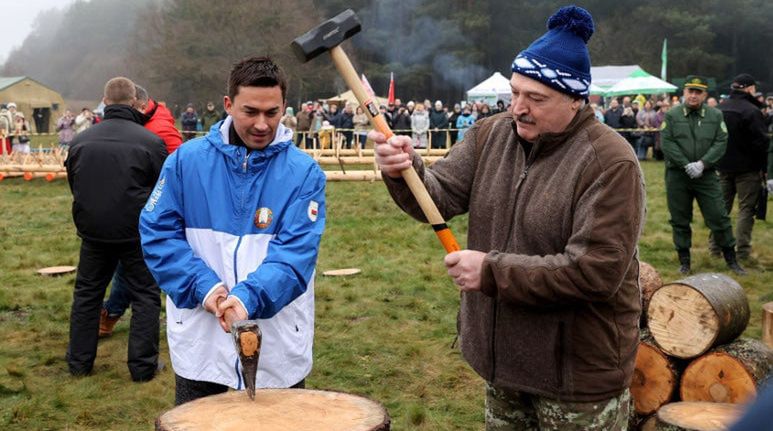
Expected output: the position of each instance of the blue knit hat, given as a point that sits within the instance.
(560, 59)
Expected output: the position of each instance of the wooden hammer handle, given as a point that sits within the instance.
(368, 104)
(229, 315)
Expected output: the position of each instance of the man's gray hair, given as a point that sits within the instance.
(142, 93)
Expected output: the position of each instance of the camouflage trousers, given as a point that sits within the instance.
(515, 411)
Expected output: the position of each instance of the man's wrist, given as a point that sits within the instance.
(212, 290)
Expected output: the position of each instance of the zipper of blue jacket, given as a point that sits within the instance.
(236, 272)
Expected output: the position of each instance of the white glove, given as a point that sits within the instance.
(695, 169)
(770, 186)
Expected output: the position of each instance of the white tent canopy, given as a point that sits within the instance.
(495, 87)
(607, 76)
(640, 82)
(349, 97)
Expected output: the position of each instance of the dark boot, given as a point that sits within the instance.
(732, 263)
(684, 261)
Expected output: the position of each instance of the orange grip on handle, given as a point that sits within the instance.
(379, 122)
(448, 240)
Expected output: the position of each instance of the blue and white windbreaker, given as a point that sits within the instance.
(251, 222)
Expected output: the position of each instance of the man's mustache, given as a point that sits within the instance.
(524, 118)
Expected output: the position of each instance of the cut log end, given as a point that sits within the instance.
(683, 323)
(728, 374)
(655, 378)
(692, 315)
(277, 409)
(649, 280)
(698, 416)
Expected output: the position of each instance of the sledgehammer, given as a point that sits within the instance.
(328, 36)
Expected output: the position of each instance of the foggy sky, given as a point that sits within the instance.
(22, 14)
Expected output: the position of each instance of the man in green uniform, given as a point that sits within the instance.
(694, 138)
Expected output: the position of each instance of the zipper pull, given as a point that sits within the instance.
(244, 165)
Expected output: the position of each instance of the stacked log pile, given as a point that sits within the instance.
(690, 351)
(40, 164)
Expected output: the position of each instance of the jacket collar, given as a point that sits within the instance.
(124, 112)
(742, 95)
(700, 110)
(236, 155)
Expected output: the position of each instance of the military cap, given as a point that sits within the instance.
(697, 82)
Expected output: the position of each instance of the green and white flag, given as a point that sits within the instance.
(664, 60)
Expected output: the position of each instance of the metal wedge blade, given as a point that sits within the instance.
(247, 340)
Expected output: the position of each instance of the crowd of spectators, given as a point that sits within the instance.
(435, 125)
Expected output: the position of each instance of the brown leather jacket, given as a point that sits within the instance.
(559, 309)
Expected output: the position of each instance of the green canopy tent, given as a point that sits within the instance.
(596, 90)
(640, 82)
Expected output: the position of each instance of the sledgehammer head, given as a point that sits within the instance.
(327, 35)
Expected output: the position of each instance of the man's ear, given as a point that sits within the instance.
(227, 104)
(576, 103)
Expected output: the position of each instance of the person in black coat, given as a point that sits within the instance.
(613, 114)
(112, 168)
(346, 123)
(452, 119)
(402, 122)
(438, 123)
(628, 121)
(742, 169)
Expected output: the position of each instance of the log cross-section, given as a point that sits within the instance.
(690, 316)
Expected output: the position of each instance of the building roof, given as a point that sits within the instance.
(7, 81)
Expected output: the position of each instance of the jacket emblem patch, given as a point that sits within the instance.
(313, 210)
(263, 218)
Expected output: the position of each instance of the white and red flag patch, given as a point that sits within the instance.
(313, 210)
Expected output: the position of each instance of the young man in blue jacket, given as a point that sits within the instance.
(235, 222)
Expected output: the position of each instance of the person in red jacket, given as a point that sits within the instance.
(160, 121)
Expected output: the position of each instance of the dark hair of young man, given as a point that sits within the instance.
(256, 72)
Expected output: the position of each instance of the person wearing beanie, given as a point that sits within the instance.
(694, 138)
(742, 169)
(550, 301)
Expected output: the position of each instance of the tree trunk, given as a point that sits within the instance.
(729, 373)
(690, 316)
(767, 324)
(276, 410)
(649, 282)
(697, 416)
(655, 377)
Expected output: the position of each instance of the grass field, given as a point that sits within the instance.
(385, 334)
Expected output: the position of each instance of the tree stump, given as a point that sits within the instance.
(690, 316)
(767, 324)
(649, 282)
(277, 410)
(697, 416)
(728, 374)
(655, 377)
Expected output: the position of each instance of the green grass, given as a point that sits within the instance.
(385, 334)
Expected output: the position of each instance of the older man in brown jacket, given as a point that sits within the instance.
(550, 300)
